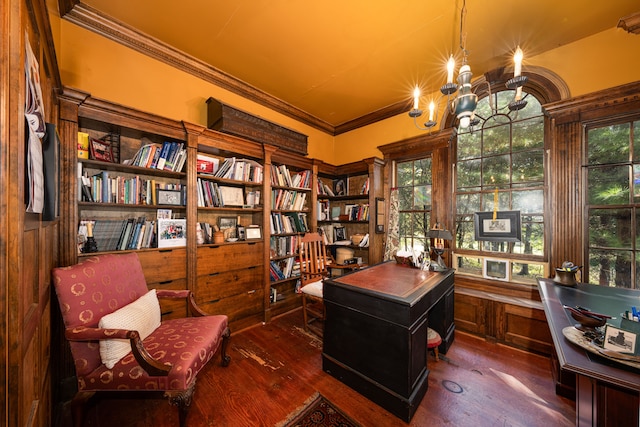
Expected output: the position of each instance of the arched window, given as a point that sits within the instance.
(499, 166)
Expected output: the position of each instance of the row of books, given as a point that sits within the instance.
(121, 234)
(288, 199)
(357, 212)
(288, 222)
(324, 189)
(284, 269)
(171, 156)
(281, 176)
(237, 169)
(210, 194)
(103, 188)
(283, 246)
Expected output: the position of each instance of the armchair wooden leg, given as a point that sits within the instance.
(78, 407)
(182, 399)
(225, 342)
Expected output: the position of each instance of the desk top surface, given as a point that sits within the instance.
(393, 280)
(600, 299)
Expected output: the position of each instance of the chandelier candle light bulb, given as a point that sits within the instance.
(464, 104)
(451, 64)
(517, 59)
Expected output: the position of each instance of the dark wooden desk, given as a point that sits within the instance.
(375, 336)
(607, 394)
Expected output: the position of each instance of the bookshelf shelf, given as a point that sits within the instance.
(135, 170)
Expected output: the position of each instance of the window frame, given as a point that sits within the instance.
(632, 204)
(510, 188)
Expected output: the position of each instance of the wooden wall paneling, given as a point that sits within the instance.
(190, 263)
(526, 327)
(28, 245)
(566, 199)
(376, 189)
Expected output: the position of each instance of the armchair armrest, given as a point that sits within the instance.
(142, 356)
(194, 310)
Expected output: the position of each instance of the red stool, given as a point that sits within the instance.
(433, 341)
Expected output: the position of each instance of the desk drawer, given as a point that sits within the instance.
(220, 258)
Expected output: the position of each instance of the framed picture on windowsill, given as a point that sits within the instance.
(505, 227)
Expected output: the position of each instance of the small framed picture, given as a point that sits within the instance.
(619, 340)
(503, 227)
(169, 197)
(172, 233)
(100, 150)
(227, 222)
(163, 214)
(253, 232)
(340, 187)
(338, 234)
(497, 269)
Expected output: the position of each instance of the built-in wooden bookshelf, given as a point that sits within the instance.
(291, 179)
(227, 275)
(346, 207)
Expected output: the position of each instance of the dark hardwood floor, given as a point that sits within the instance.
(276, 367)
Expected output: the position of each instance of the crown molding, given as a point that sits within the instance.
(93, 20)
(630, 23)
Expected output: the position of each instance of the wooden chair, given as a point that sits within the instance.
(314, 267)
(118, 341)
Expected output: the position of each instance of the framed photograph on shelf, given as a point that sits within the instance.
(163, 214)
(100, 150)
(169, 197)
(340, 187)
(227, 222)
(231, 196)
(172, 233)
(505, 227)
(339, 234)
(253, 232)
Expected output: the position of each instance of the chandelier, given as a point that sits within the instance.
(460, 99)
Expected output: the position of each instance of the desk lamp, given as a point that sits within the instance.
(439, 235)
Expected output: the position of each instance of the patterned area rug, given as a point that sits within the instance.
(318, 412)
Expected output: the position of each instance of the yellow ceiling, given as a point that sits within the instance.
(340, 60)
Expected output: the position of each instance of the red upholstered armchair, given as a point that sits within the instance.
(117, 340)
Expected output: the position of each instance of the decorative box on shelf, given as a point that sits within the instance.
(227, 119)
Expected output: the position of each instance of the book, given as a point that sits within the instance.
(83, 145)
(207, 164)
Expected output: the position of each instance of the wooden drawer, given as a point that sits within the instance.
(222, 285)
(241, 307)
(164, 264)
(171, 308)
(220, 258)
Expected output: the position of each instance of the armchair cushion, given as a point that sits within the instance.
(142, 315)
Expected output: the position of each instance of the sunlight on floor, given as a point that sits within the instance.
(520, 388)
